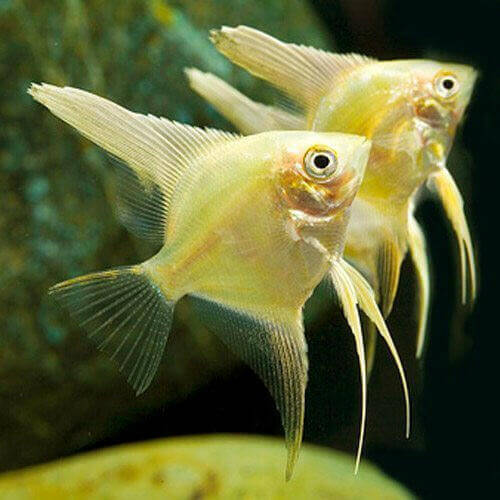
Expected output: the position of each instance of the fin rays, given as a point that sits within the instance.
(156, 150)
(275, 349)
(126, 316)
(304, 73)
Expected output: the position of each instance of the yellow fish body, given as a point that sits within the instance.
(248, 227)
(409, 109)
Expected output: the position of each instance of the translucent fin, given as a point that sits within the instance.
(158, 151)
(139, 208)
(368, 304)
(304, 73)
(389, 262)
(126, 315)
(248, 116)
(416, 243)
(348, 300)
(275, 349)
(453, 204)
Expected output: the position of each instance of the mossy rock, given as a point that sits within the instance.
(211, 467)
(57, 221)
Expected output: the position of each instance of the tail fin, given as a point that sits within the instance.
(125, 314)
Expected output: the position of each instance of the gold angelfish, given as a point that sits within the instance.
(410, 110)
(248, 227)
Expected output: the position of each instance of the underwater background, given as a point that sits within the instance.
(59, 396)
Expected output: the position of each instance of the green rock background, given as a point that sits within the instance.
(57, 393)
(59, 396)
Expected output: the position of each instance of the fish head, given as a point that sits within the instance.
(440, 95)
(319, 174)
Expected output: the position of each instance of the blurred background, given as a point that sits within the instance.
(59, 396)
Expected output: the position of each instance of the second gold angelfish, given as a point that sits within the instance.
(410, 110)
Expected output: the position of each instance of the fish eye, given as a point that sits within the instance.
(446, 85)
(320, 164)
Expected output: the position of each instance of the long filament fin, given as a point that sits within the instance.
(368, 304)
(348, 299)
(453, 204)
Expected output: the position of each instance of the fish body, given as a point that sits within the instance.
(248, 227)
(410, 110)
(237, 235)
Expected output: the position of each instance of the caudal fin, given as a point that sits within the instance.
(125, 314)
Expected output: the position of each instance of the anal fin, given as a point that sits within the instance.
(416, 243)
(274, 346)
(125, 314)
(389, 262)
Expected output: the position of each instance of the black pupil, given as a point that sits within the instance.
(321, 161)
(448, 83)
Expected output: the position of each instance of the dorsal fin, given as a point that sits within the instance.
(248, 116)
(304, 73)
(156, 150)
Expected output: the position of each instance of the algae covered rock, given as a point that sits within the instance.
(58, 393)
(211, 467)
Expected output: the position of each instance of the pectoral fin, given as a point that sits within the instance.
(453, 204)
(274, 346)
(416, 243)
(248, 116)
